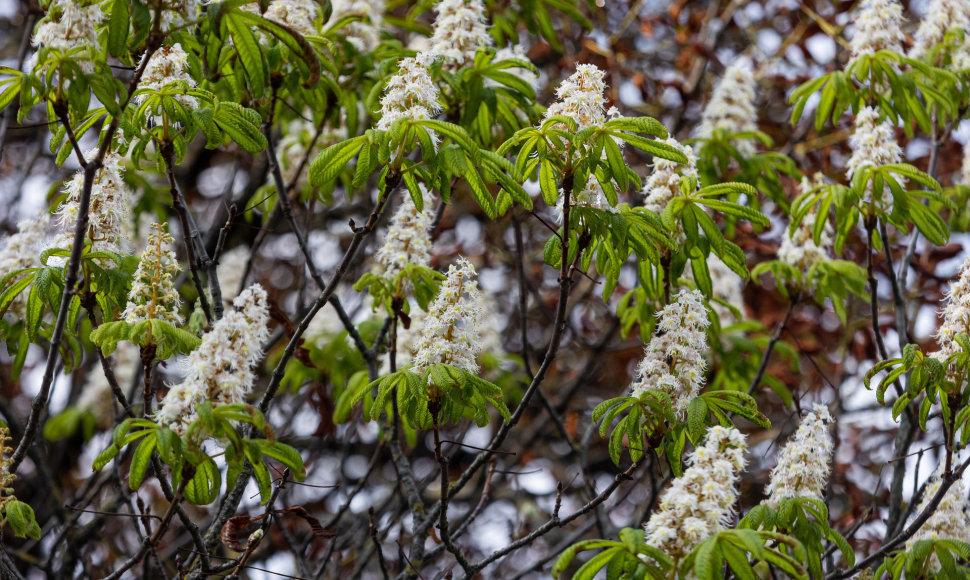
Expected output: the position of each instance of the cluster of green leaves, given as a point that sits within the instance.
(167, 339)
(629, 558)
(902, 88)
(806, 520)
(489, 97)
(457, 157)
(43, 288)
(449, 392)
(932, 382)
(188, 458)
(686, 213)
(720, 158)
(539, 17)
(20, 517)
(418, 281)
(928, 559)
(745, 553)
(648, 421)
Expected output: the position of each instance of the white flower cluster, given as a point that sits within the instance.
(942, 16)
(69, 24)
(408, 239)
(109, 215)
(300, 15)
(804, 464)
(956, 314)
(580, 97)
(410, 94)
(950, 521)
(799, 250)
(153, 295)
(167, 65)
(459, 31)
(675, 357)
(232, 266)
(873, 143)
(878, 27)
(21, 251)
(97, 397)
(178, 13)
(220, 370)
(699, 503)
(363, 35)
(452, 329)
(664, 183)
(732, 107)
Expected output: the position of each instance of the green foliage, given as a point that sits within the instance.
(806, 520)
(20, 517)
(736, 549)
(168, 340)
(936, 559)
(932, 382)
(188, 457)
(450, 393)
(628, 558)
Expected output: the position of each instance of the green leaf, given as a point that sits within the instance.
(104, 457)
(241, 125)
(203, 488)
(286, 455)
(249, 53)
(20, 516)
(332, 161)
(140, 461)
(118, 28)
(548, 185)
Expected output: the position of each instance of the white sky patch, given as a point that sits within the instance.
(821, 47)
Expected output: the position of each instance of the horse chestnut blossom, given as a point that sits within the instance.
(167, 65)
(805, 462)
(799, 249)
(7, 477)
(580, 97)
(950, 520)
(452, 329)
(364, 35)
(675, 358)
(874, 144)
(459, 31)
(220, 370)
(153, 295)
(878, 27)
(300, 15)
(69, 24)
(20, 252)
(109, 216)
(410, 94)
(699, 503)
(408, 239)
(732, 107)
(941, 16)
(956, 314)
(664, 182)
